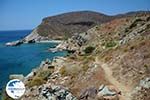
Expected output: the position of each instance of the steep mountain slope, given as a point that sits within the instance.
(121, 50)
(64, 25)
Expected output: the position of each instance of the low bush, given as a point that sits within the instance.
(85, 67)
(72, 71)
(63, 71)
(39, 78)
(44, 74)
(36, 81)
(110, 44)
(89, 49)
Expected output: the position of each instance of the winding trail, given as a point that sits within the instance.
(125, 91)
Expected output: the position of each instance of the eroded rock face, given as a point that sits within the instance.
(74, 43)
(65, 25)
(34, 37)
(138, 27)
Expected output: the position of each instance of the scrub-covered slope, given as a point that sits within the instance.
(110, 61)
(64, 25)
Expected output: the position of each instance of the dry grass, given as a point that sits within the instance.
(40, 78)
(36, 81)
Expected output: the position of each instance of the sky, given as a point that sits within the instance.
(27, 14)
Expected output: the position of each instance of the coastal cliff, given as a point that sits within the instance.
(63, 26)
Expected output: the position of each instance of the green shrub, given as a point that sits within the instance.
(110, 44)
(145, 65)
(89, 49)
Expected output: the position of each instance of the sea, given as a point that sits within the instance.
(22, 59)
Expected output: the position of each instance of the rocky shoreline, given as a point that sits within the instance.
(19, 42)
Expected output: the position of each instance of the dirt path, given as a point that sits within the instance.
(108, 74)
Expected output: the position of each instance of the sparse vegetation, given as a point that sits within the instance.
(36, 81)
(44, 74)
(66, 36)
(40, 78)
(63, 71)
(108, 58)
(89, 49)
(70, 71)
(85, 67)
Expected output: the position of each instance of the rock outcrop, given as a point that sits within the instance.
(74, 43)
(15, 43)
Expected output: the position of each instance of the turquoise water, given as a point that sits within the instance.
(21, 59)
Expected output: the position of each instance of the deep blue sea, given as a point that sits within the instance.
(21, 59)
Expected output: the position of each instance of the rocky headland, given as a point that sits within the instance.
(64, 26)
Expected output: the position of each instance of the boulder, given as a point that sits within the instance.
(145, 83)
(104, 92)
(141, 92)
(14, 43)
(16, 76)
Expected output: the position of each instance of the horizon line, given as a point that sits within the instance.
(17, 30)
